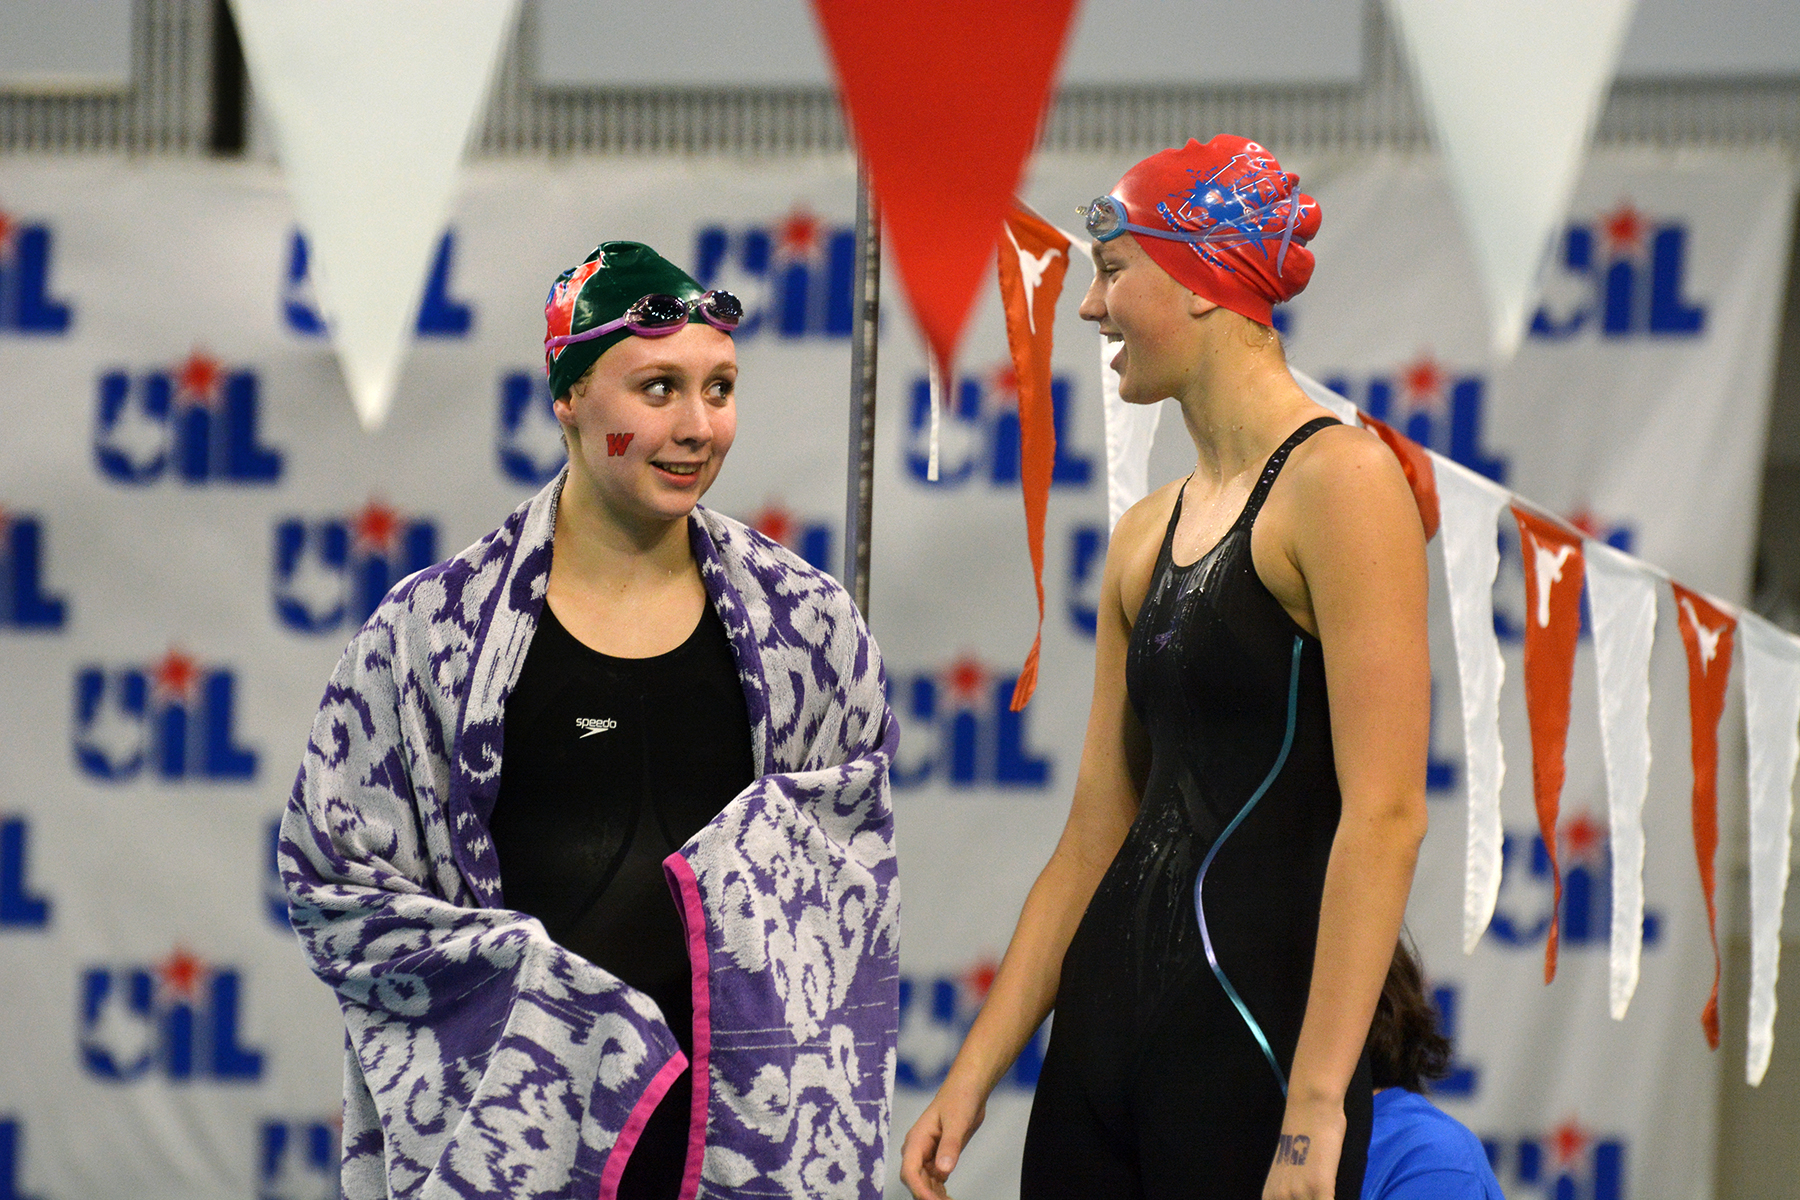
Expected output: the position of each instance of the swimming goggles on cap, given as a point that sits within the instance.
(1106, 220)
(660, 314)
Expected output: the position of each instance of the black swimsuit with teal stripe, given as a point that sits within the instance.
(1184, 988)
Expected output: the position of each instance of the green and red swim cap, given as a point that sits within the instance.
(597, 290)
(1255, 219)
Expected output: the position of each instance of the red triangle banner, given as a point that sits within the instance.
(1033, 258)
(1553, 576)
(944, 100)
(1707, 632)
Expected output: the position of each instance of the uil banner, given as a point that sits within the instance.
(192, 524)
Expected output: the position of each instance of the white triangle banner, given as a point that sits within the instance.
(371, 107)
(1513, 91)
(1130, 432)
(1622, 598)
(1469, 507)
(1771, 717)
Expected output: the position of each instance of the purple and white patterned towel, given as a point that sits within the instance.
(482, 1059)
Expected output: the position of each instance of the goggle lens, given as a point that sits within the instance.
(660, 314)
(721, 309)
(657, 312)
(1105, 218)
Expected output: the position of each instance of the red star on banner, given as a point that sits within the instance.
(176, 676)
(377, 527)
(775, 523)
(1585, 520)
(5, 521)
(980, 977)
(1003, 386)
(800, 234)
(7, 228)
(1625, 227)
(1424, 381)
(199, 378)
(966, 678)
(1583, 836)
(181, 972)
(1568, 1141)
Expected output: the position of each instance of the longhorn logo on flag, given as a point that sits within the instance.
(1033, 258)
(1707, 632)
(1553, 577)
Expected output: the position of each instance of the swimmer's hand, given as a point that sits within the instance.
(936, 1140)
(1306, 1157)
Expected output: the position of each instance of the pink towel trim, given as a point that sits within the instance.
(693, 918)
(634, 1125)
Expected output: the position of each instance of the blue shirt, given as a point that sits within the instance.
(1418, 1152)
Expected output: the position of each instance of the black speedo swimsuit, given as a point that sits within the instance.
(611, 765)
(1184, 987)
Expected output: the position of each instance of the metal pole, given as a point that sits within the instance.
(860, 492)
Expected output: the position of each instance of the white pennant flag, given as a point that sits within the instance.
(1130, 431)
(1513, 90)
(1622, 599)
(1772, 719)
(1470, 506)
(371, 106)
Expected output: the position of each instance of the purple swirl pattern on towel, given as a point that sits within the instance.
(482, 1060)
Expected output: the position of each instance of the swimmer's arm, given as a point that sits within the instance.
(1361, 550)
(1114, 760)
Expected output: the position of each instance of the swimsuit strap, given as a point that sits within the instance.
(1277, 460)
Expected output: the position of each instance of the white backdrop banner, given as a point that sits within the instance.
(192, 524)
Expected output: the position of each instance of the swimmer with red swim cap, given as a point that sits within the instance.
(1215, 924)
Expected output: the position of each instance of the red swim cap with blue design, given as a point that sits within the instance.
(1256, 220)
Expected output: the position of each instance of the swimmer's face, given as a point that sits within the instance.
(649, 425)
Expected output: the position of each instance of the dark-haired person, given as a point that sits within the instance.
(1216, 920)
(603, 796)
(1417, 1151)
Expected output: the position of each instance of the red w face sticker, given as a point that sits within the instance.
(616, 444)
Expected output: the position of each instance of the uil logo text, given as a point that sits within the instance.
(935, 1015)
(26, 305)
(297, 1159)
(22, 906)
(796, 277)
(179, 1019)
(25, 604)
(1437, 407)
(528, 442)
(1523, 911)
(1621, 275)
(196, 423)
(979, 433)
(172, 720)
(810, 539)
(331, 572)
(961, 731)
(440, 315)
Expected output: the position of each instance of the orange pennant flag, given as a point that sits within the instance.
(1034, 257)
(1415, 461)
(1707, 632)
(1554, 570)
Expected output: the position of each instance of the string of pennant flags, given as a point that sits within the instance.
(1464, 510)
